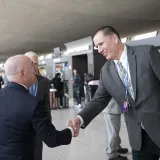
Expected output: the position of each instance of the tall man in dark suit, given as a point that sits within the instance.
(22, 116)
(132, 77)
(41, 91)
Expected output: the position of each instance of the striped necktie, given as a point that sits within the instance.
(125, 79)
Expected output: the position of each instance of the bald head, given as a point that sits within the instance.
(15, 64)
(20, 69)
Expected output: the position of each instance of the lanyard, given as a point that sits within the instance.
(35, 89)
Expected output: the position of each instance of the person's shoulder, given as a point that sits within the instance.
(141, 47)
(19, 96)
(106, 65)
(42, 78)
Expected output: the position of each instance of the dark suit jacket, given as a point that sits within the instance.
(144, 63)
(43, 96)
(43, 92)
(21, 117)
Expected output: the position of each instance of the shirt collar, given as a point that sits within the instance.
(23, 85)
(123, 55)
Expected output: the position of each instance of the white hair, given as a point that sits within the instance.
(30, 53)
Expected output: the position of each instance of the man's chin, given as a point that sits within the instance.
(35, 80)
(108, 58)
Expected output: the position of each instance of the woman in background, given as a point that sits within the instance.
(58, 85)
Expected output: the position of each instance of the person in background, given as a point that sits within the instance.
(58, 85)
(112, 116)
(1, 81)
(5, 80)
(87, 90)
(41, 91)
(77, 87)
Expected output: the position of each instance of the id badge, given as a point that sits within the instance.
(125, 107)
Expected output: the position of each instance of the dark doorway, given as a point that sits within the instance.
(99, 61)
(80, 62)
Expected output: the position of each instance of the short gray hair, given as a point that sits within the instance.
(30, 53)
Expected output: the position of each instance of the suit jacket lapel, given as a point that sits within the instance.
(38, 87)
(132, 67)
(116, 78)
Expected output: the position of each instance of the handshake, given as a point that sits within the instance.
(74, 125)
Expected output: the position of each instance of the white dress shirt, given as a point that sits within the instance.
(124, 60)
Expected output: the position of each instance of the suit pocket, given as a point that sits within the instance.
(144, 72)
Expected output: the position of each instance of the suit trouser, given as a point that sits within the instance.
(113, 123)
(38, 146)
(87, 94)
(77, 94)
(149, 151)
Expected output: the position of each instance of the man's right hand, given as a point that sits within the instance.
(75, 124)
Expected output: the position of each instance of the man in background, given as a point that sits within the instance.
(112, 116)
(41, 91)
(77, 87)
(1, 81)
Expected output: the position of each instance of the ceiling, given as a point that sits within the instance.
(40, 25)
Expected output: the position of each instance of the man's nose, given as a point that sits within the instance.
(100, 50)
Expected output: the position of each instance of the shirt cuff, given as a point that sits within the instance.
(81, 119)
(72, 131)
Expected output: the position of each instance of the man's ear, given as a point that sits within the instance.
(22, 72)
(115, 37)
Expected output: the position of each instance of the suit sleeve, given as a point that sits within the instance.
(96, 105)
(46, 131)
(154, 57)
(47, 101)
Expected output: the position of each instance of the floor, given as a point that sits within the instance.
(90, 145)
